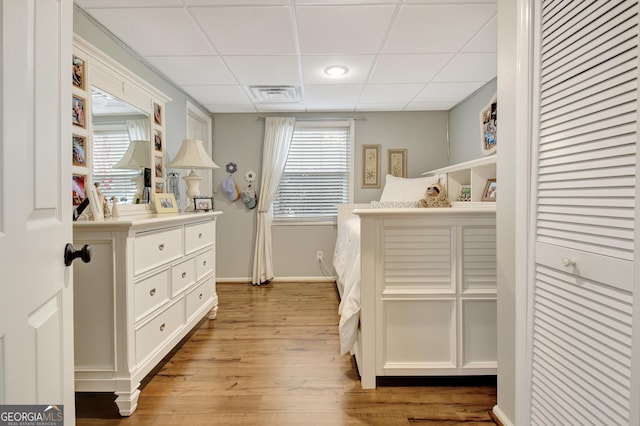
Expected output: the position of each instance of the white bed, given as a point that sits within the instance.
(418, 290)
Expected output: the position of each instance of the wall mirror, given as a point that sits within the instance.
(114, 124)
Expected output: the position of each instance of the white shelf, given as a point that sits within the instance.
(474, 173)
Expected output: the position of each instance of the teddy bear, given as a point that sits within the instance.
(435, 197)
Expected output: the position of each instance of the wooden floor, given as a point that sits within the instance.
(272, 358)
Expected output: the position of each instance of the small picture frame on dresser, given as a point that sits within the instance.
(490, 191)
(203, 204)
(165, 203)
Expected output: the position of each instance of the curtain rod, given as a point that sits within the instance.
(361, 117)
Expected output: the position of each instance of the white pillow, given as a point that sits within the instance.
(406, 189)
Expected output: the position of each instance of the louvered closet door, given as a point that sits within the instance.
(587, 92)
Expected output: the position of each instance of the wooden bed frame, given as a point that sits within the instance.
(428, 291)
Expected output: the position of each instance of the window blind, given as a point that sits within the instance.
(318, 172)
(108, 148)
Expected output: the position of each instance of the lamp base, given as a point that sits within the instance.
(193, 189)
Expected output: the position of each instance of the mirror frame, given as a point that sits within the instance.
(102, 71)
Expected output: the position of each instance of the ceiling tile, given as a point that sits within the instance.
(385, 106)
(436, 28)
(342, 29)
(330, 108)
(430, 106)
(248, 30)
(378, 93)
(87, 4)
(414, 68)
(469, 67)
(314, 66)
(265, 70)
(447, 92)
(218, 94)
(236, 2)
(486, 40)
(142, 29)
(230, 108)
(192, 70)
(277, 107)
(326, 94)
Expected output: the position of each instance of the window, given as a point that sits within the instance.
(110, 142)
(318, 173)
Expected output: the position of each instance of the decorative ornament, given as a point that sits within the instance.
(250, 176)
(231, 168)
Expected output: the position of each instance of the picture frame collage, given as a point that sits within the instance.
(159, 144)
(80, 144)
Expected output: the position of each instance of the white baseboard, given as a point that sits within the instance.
(501, 416)
(247, 280)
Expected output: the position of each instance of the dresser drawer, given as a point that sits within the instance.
(205, 263)
(156, 248)
(182, 275)
(155, 332)
(198, 236)
(199, 296)
(150, 293)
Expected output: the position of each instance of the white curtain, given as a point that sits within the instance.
(278, 132)
(138, 129)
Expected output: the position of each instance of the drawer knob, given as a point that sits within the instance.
(162, 327)
(204, 263)
(200, 235)
(161, 247)
(184, 274)
(152, 292)
(200, 296)
(568, 262)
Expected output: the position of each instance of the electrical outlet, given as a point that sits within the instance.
(319, 256)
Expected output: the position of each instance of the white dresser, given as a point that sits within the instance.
(151, 280)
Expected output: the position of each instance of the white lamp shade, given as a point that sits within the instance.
(137, 156)
(192, 155)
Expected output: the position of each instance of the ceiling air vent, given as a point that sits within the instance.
(275, 94)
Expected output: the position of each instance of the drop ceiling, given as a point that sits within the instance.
(402, 55)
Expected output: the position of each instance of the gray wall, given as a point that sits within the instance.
(238, 138)
(464, 124)
(175, 110)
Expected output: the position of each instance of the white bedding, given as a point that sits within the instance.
(346, 262)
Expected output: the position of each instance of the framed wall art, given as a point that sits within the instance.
(397, 162)
(157, 114)
(77, 111)
(78, 191)
(489, 126)
(370, 166)
(79, 150)
(157, 140)
(158, 166)
(78, 72)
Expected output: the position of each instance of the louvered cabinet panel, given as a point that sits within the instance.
(478, 258)
(419, 258)
(586, 87)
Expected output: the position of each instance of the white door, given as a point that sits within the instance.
(584, 210)
(36, 294)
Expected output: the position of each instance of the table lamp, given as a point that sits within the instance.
(192, 155)
(138, 157)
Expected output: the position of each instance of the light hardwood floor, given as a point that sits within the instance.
(272, 358)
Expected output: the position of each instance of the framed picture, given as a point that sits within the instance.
(489, 126)
(78, 72)
(370, 166)
(159, 186)
(78, 191)
(157, 114)
(203, 204)
(77, 111)
(158, 166)
(157, 140)
(398, 162)
(165, 203)
(465, 193)
(79, 151)
(95, 204)
(490, 190)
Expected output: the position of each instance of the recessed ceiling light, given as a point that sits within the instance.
(336, 70)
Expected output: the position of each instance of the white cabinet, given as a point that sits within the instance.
(151, 280)
(474, 173)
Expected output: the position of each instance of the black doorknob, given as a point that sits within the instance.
(70, 254)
